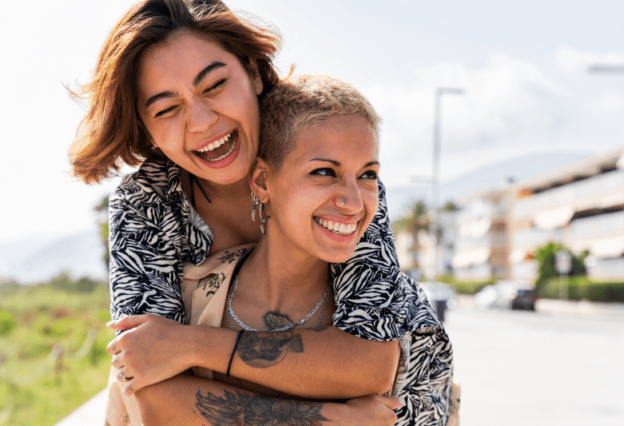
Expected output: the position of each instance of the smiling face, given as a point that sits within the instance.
(200, 105)
(324, 195)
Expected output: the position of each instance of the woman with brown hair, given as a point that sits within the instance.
(176, 89)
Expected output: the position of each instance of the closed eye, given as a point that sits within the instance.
(215, 86)
(325, 171)
(165, 111)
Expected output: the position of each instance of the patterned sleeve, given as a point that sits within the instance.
(425, 373)
(374, 299)
(145, 266)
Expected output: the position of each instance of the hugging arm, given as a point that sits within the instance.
(331, 363)
(206, 402)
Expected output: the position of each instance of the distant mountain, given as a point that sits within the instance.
(490, 176)
(38, 259)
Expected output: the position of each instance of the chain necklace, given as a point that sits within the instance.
(247, 328)
(288, 327)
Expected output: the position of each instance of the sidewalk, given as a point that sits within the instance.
(90, 413)
(582, 307)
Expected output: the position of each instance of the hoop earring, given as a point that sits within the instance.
(256, 204)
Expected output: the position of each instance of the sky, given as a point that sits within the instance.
(523, 66)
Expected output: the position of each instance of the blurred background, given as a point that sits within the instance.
(502, 152)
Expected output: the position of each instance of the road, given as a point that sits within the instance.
(534, 368)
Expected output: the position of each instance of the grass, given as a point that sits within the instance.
(32, 321)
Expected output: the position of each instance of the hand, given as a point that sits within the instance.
(152, 349)
(373, 410)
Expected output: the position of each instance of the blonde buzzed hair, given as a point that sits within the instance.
(300, 101)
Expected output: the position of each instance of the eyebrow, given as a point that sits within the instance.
(337, 164)
(203, 73)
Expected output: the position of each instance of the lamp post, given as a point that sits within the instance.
(436, 169)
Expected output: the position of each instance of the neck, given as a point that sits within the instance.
(282, 275)
(218, 191)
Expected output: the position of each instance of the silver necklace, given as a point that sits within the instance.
(246, 327)
(288, 327)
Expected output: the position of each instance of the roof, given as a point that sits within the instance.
(575, 171)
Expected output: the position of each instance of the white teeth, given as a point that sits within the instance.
(216, 144)
(221, 157)
(337, 228)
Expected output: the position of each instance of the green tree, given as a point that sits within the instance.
(416, 221)
(545, 257)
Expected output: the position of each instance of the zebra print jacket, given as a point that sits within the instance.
(154, 230)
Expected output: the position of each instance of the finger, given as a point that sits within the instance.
(116, 362)
(113, 347)
(129, 389)
(392, 403)
(127, 323)
(121, 373)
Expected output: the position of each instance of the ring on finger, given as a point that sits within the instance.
(121, 374)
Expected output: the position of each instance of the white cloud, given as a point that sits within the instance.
(511, 107)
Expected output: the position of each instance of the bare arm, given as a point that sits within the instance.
(310, 363)
(200, 401)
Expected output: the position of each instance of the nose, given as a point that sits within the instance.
(349, 199)
(201, 116)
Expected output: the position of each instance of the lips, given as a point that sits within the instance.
(336, 227)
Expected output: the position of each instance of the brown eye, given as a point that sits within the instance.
(326, 171)
(369, 175)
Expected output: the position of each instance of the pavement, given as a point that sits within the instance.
(561, 365)
(91, 413)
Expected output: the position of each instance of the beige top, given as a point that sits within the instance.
(205, 288)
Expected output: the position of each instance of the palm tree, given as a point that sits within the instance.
(416, 221)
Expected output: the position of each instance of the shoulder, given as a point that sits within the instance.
(153, 184)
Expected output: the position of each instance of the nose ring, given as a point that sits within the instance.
(206, 130)
(341, 202)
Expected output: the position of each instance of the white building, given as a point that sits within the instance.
(427, 247)
(580, 206)
(481, 249)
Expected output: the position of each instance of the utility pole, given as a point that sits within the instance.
(435, 198)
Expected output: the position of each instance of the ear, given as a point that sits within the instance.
(257, 180)
(254, 74)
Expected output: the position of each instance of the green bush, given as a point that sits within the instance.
(582, 288)
(466, 287)
(545, 257)
(7, 323)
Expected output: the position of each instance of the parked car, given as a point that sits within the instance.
(525, 299)
(507, 295)
(441, 297)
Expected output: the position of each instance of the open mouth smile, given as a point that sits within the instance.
(220, 153)
(337, 227)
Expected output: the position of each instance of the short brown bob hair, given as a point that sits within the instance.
(300, 101)
(112, 132)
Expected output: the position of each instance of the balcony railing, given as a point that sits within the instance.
(594, 186)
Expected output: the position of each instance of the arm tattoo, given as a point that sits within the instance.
(251, 410)
(266, 349)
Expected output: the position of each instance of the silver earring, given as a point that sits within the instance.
(256, 204)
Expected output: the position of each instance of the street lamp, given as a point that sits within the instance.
(436, 168)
